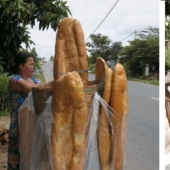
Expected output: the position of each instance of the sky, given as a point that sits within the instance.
(124, 17)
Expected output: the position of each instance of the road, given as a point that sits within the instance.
(47, 69)
(142, 147)
(143, 127)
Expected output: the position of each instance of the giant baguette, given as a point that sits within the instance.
(103, 72)
(119, 104)
(69, 122)
(101, 69)
(70, 50)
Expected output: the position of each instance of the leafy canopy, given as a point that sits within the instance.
(102, 46)
(15, 15)
(167, 7)
(142, 51)
(167, 19)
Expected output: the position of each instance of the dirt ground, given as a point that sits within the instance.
(3, 157)
(4, 120)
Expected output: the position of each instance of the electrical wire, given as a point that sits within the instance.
(116, 41)
(105, 17)
(127, 36)
(98, 13)
(102, 9)
(44, 46)
(84, 11)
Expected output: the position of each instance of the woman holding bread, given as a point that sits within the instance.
(20, 84)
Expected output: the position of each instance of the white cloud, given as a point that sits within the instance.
(125, 18)
(138, 23)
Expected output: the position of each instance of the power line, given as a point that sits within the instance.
(135, 32)
(44, 46)
(84, 12)
(99, 13)
(116, 41)
(127, 36)
(105, 17)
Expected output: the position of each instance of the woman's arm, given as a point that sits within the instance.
(50, 83)
(22, 87)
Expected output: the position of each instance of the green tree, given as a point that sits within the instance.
(15, 15)
(102, 46)
(167, 34)
(52, 58)
(141, 51)
(167, 7)
(167, 28)
(167, 59)
(1, 65)
(167, 19)
(98, 47)
(148, 33)
(115, 49)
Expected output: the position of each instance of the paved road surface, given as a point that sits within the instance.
(47, 69)
(142, 148)
(143, 127)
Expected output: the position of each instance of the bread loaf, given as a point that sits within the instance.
(70, 50)
(119, 104)
(69, 122)
(103, 72)
(101, 69)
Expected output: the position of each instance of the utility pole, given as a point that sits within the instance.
(135, 34)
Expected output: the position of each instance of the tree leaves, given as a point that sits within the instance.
(99, 46)
(149, 32)
(144, 50)
(167, 7)
(102, 46)
(15, 15)
(167, 59)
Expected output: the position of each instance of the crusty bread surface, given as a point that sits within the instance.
(69, 122)
(104, 73)
(70, 50)
(119, 104)
(69, 108)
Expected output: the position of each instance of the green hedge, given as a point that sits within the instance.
(4, 96)
(167, 59)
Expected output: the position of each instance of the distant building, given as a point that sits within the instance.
(111, 63)
(44, 60)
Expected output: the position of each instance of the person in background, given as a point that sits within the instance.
(20, 84)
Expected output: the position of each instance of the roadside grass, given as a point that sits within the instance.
(4, 113)
(137, 79)
(153, 82)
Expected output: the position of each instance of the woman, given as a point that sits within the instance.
(20, 84)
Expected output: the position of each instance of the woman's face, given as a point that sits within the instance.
(27, 68)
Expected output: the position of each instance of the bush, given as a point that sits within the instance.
(167, 59)
(92, 68)
(4, 96)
